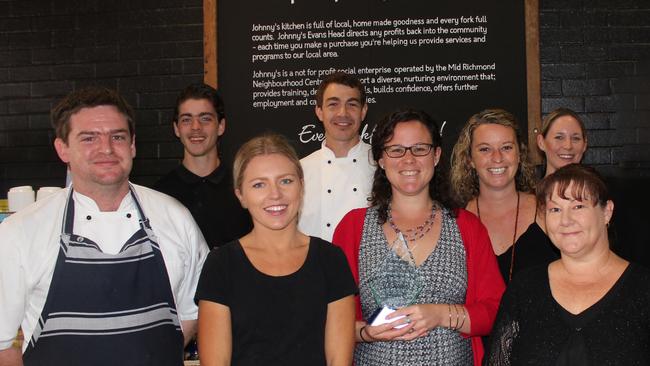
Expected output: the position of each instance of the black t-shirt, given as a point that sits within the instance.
(277, 320)
(212, 202)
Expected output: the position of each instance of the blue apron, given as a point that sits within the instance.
(105, 309)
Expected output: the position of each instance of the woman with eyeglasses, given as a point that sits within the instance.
(492, 178)
(448, 250)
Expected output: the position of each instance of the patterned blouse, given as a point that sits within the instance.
(444, 275)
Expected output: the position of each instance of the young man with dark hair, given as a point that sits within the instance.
(203, 182)
(338, 176)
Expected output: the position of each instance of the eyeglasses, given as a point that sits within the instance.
(397, 151)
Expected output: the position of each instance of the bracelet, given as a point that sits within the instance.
(457, 317)
(449, 307)
(361, 334)
(464, 317)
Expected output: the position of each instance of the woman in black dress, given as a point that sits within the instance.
(492, 178)
(275, 296)
(590, 307)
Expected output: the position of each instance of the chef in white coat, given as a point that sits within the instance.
(104, 271)
(338, 176)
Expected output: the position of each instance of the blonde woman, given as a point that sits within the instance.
(275, 296)
(493, 179)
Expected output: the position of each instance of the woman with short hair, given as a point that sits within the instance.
(590, 307)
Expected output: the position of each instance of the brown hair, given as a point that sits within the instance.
(92, 96)
(585, 182)
(201, 91)
(561, 112)
(464, 180)
(382, 192)
(263, 145)
(343, 79)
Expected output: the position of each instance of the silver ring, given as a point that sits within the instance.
(408, 320)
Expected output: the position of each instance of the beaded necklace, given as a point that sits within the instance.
(414, 233)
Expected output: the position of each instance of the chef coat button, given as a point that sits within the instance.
(88, 217)
(128, 216)
(328, 224)
(329, 191)
(354, 160)
(354, 189)
(329, 162)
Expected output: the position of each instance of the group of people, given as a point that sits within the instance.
(109, 272)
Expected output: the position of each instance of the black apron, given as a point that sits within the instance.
(104, 309)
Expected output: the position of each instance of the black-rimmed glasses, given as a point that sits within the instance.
(397, 151)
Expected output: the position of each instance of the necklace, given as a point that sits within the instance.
(414, 233)
(514, 235)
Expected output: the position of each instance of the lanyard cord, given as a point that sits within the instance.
(514, 235)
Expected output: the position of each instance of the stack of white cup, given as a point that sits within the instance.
(23, 196)
(46, 191)
(20, 197)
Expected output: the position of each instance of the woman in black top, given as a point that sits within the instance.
(590, 307)
(275, 296)
(492, 177)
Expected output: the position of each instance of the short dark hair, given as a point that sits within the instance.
(381, 188)
(88, 97)
(201, 91)
(343, 79)
(585, 181)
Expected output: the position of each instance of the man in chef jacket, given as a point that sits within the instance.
(103, 272)
(338, 176)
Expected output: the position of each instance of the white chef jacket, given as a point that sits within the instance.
(333, 187)
(29, 246)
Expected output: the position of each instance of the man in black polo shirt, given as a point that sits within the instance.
(203, 183)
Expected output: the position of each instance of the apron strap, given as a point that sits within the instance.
(68, 216)
(144, 220)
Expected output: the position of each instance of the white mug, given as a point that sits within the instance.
(20, 197)
(46, 191)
